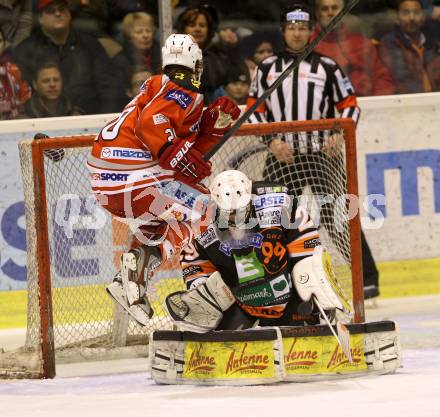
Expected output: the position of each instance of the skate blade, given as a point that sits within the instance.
(116, 292)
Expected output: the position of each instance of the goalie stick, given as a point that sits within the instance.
(293, 66)
(342, 335)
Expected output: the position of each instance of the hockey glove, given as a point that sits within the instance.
(188, 162)
(218, 117)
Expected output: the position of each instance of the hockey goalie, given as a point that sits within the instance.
(262, 303)
(147, 165)
(260, 261)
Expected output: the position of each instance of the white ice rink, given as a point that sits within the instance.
(124, 389)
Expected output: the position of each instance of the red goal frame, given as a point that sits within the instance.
(41, 219)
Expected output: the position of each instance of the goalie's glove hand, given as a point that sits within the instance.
(219, 116)
(186, 161)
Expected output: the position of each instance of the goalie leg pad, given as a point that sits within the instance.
(240, 357)
(200, 309)
(314, 276)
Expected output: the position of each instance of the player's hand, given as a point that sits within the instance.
(186, 161)
(219, 116)
(333, 145)
(282, 151)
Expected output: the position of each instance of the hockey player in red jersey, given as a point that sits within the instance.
(261, 259)
(147, 165)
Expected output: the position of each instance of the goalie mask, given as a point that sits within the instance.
(232, 193)
(183, 50)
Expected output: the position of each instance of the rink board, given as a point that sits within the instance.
(268, 355)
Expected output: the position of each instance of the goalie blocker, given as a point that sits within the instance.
(268, 355)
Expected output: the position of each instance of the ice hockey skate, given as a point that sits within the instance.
(129, 285)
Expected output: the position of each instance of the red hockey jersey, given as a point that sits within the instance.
(125, 154)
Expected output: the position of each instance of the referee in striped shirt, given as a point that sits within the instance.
(317, 89)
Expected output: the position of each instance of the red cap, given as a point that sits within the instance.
(42, 4)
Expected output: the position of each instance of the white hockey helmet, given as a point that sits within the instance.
(182, 50)
(232, 192)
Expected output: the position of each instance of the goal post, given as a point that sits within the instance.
(73, 245)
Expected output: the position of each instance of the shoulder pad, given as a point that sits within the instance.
(184, 80)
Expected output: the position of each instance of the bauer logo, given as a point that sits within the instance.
(181, 98)
(126, 154)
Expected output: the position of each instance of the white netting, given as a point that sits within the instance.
(84, 258)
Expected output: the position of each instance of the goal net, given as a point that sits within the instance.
(74, 246)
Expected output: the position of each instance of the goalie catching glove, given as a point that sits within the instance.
(200, 309)
(218, 117)
(314, 277)
(186, 161)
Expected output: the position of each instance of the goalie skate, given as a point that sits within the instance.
(141, 312)
(136, 266)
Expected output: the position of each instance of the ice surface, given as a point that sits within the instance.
(124, 389)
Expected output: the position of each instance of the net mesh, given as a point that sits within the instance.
(85, 244)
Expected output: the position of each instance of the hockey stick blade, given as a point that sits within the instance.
(293, 66)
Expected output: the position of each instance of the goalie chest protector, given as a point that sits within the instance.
(257, 266)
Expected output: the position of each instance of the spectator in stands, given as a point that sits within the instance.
(16, 20)
(13, 90)
(410, 56)
(435, 13)
(355, 54)
(139, 75)
(237, 85)
(257, 47)
(118, 9)
(84, 65)
(93, 17)
(139, 49)
(47, 98)
(431, 27)
(201, 23)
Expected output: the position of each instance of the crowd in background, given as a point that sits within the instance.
(71, 57)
